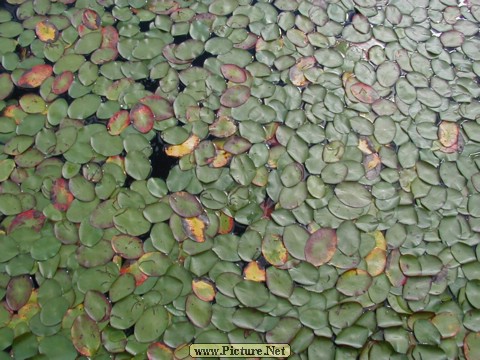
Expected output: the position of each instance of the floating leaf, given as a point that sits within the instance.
(128, 247)
(235, 96)
(234, 73)
(6, 86)
(118, 122)
(91, 19)
(62, 82)
(18, 292)
(151, 324)
(198, 311)
(142, 118)
(35, 76)
(273, 250)
(364, 93)
(185, 204)
(353, 194)
(354, 282)
(203, 289)
(448, 133)
(253, 271)
(61, 196)
(185, 148)
(85, 335)
(46, 31)
(321, 246)
(33, 219)
(194, 228)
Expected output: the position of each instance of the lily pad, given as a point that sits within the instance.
(142, 118)
(85, 335)
(35, 76)
(6, 84)
(235, 96)
(185, 204)
(321, 246)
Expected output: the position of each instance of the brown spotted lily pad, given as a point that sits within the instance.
(321, 246)
(35, 76)
(61, 196)
(234, 73)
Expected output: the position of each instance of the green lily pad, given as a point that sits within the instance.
(235, 96)
(128, 247)
(251, 293)
(85, 335)
(353, 194)
(131, 222)
(198, 311)
(185, 204)
(6, 85)
(18, 292)
(354, 282)
(151, 324)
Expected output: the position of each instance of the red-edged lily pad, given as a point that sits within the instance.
(160, 107)
(321, 246)
(109, 37)
(35, 76)
(364, 93)
(85, 335)
(33, 219)
(61, 196)
(62, 82)
(235, 96)
(118, 122)
(225, 223)
(91, 19)
(234, 73)
(142, 118)
(133, 268)
(6, 85)
(46, 31)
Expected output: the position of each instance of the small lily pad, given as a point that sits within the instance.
(35, 76)
(185, 204)
(128, 247)
(321, 246)
(62, 82)
(18, 292)
(198, 311)
(85, 335)
(235, 96)
(142, 118)
(47, 31)
(203, 289)
(354, 282)
(6, 86)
